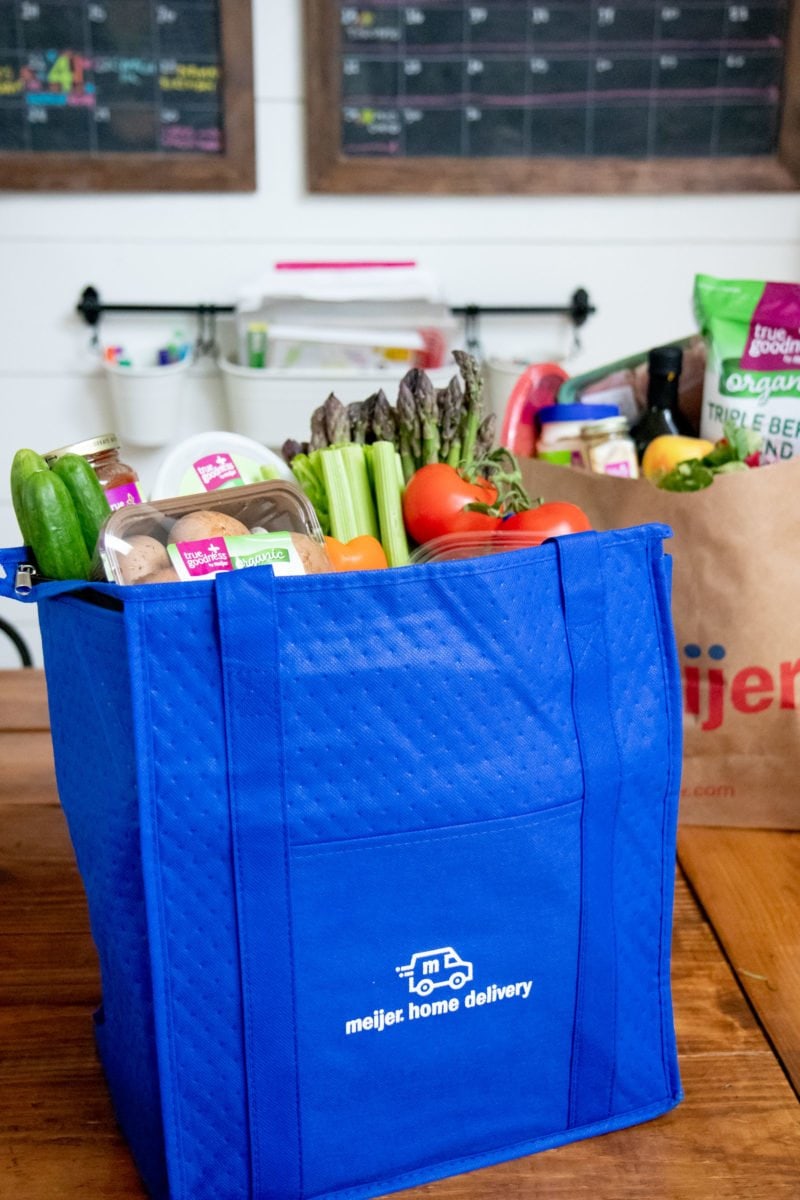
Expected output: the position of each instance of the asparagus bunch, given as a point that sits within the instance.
(426, 424)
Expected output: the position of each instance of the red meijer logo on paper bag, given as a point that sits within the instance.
(709, 691)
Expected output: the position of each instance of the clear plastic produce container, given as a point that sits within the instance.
(474, 545)
(137, 543)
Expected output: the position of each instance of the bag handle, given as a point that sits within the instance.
(248, 627)
(583, 597)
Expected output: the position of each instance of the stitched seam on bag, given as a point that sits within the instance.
(274, 676)
(441, 833)
(241, 924)
(580, 974)
(455, 1165)
(288, 887)
(588, 635)
(139, 628)
(613, 848)
(475, 568)
(658, 603)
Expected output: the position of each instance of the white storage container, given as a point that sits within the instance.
(147, 401)
(272, 404)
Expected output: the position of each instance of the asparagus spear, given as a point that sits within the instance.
(337, 425)
(407, 430)
(357, 420)
(319, 434)
(384, 419)
(289, 449)
(424, 394)
(451, 401)
(369, 412)
(473, 387)
(486, 435)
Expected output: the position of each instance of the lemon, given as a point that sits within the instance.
(665, 452)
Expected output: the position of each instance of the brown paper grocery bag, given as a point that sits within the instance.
(736, 608)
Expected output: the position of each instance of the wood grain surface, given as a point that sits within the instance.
(750, 881)
(736, 1135)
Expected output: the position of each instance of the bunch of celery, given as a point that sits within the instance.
(357, 489)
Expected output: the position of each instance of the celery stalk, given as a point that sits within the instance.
(388, 496)
(360, 491)
(340, 501)
(308, 474)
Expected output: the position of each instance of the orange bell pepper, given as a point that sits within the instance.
(363, 553)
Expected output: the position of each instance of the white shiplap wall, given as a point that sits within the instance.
(637, 257)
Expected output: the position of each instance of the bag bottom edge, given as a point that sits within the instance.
(488, 1158)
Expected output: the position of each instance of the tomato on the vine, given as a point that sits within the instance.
(434, 503)
(551, 519)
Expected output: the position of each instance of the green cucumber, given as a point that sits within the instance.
(55, 531)
(87, 495)
(25, 464)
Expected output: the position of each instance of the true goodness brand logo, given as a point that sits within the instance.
(444, 972)
(709, 691)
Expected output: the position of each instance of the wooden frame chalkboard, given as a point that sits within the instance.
(332, 170)
(224, 162)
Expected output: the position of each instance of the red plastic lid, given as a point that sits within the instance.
(537, 387)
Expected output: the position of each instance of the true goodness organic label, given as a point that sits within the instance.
(773, 341)
(123, 496)
(768, 402)
(211, 556)
(217, 471)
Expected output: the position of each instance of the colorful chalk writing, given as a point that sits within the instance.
(111, 77)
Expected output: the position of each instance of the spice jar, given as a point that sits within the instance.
(119, 481)
(610, 449)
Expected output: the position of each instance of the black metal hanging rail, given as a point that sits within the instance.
(91, 307)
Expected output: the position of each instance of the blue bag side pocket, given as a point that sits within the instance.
(434, 988)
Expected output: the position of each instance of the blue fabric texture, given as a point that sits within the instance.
(379, 865)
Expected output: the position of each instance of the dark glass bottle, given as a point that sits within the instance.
(660, 416)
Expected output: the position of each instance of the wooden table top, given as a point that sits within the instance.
(736, 984)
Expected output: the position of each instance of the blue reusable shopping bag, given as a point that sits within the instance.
(379, 865)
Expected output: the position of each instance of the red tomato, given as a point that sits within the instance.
(552, 519)
(364, 553)
(434, 500)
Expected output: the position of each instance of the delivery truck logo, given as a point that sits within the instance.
(429, 969)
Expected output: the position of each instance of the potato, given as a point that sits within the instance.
(313, 556)
(145, 555)
(165, 575)
(206, 524)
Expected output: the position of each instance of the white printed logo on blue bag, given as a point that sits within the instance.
(429, 969)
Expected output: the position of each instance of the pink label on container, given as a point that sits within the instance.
(122, 496)
(618, 468)
(773, 341)
(215, 470)
(204, 557)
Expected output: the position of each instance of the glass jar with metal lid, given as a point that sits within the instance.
(609, 448)
(118, 480)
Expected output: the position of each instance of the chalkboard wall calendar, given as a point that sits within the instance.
(632, 81)
(100, 80)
